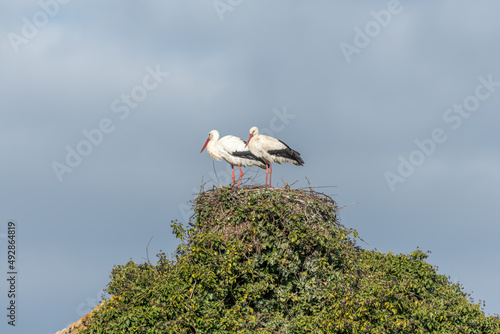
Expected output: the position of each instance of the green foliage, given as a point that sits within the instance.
(279, 261)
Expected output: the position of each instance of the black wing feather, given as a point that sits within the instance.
(247, 155)
(288, 147)
(289, 154)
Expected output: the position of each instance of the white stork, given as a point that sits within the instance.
(271, 150)
(233, 150)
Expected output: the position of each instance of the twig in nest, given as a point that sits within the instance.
(147, 251)
(213, 165)
(308, 182)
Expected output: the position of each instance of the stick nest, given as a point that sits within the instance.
(238, 213)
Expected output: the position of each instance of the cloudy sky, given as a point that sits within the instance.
(106, 105)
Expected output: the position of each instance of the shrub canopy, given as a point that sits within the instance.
(260, 260)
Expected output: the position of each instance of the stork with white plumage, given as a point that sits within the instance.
(233, 150)
(271, 150)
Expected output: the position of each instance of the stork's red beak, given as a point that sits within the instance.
(248, 140)
(205, 145)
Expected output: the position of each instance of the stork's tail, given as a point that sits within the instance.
(297, 158)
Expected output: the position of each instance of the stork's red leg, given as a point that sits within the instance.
(267, 172)
(241, 175)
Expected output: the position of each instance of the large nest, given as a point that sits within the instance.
(222, 201)
(235, 213)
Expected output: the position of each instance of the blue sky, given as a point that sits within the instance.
(393, 103)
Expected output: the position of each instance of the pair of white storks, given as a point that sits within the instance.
(259, 150)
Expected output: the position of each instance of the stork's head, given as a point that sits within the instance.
(254, 131)
(212, 135)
